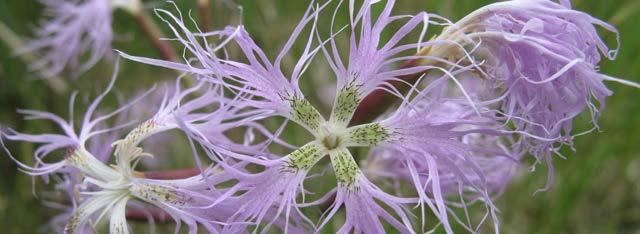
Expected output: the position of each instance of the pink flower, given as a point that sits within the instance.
(74, 28)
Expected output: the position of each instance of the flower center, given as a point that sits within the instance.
(331, 136)
(331, 141)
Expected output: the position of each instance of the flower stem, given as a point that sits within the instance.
(171, 174)
(205, 14)
(154, 34)
(157, 215)
(376, 102)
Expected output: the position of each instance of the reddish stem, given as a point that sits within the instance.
(154, 34)
(379, 100)
(156, 214)
(171, 174)
(205, 14)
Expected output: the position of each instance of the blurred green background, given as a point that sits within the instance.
(596, 190)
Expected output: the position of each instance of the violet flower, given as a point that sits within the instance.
(542, 59)
(259, 78)
(450, 138)
(274, 192)
(71, 30)
(451, 155)
(108, 189)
